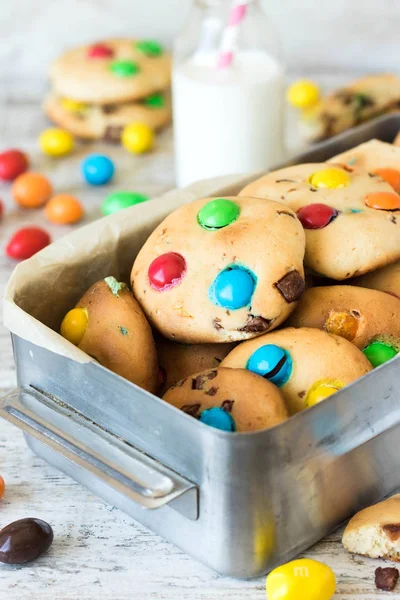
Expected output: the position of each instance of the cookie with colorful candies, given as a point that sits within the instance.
(95, 121)
(375, 157)
(367, 318)
(229, 399)
(113, 71)
(351, 217)
(108, 324)
(221, 270)
(308, 365)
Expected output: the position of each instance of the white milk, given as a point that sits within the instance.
(227, 120)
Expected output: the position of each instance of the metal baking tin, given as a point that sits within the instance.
(240, 503)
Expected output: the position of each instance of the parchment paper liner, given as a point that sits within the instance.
(43, 288)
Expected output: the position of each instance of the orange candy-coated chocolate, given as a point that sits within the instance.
(64, 209)
(391, 176)
(343, 324)
(31, 190)
(2, 487)
(383, 200)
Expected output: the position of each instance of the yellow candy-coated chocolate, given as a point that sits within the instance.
(320, 390)
(330, 178)
(343, 324)
(56, 142)
(73, 106)
(74, 325)
(303, 94)
(137, 138)
(302, 579)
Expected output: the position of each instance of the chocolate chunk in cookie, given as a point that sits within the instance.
(291, 286)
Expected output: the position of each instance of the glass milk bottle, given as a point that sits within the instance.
(228, 92)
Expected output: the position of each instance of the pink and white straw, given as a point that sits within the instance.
(229, 36)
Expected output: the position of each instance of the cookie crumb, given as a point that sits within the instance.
(113, 134)
(386, 578)
(115, 286)
(291, 286)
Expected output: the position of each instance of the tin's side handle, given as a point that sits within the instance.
(137, 476)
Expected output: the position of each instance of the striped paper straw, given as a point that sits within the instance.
(229, 36)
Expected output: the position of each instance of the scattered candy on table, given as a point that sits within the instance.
(302, 579)
(26, 242)
(97, 169)
(31, 190)
(120, 200)
(303, 94)
(137, 138)
(64, 209)
(56, 142)
(2, 487)
(24, 540)
(12, 164)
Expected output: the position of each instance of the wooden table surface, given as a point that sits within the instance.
(98, 552)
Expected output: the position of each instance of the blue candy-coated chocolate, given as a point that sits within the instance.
(232, 288)
(272, 362)
(218, 418)
(97, 169)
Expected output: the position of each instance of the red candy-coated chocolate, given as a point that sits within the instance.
(12, 164)
(166, 271)
(100, 51)
(316, 216)
(26, 242)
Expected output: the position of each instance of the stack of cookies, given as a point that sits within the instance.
(99, 89)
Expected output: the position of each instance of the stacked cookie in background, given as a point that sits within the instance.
(98, 89)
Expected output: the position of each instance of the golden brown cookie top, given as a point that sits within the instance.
(117, 334)
(368, 318)
(386, 279)
(351, 217)
(115, 70)
(221, 270)
(306, 364)
(229, 399)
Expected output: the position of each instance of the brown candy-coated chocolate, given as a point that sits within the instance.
(386, 578)
(24, 540)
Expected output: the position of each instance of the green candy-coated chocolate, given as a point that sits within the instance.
(119, 200)
(218, 213)
(379, 353)
(124, 68)
(155, 101)
(150, 48)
